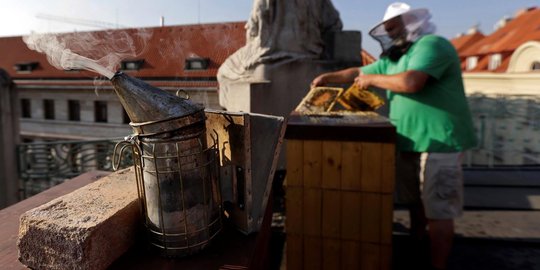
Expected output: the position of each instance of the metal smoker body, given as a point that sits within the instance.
(176, 171)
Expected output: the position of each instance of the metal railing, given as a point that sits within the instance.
(46, 164)
(508, 130)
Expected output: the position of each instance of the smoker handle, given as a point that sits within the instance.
(123, 144)
(186, 94)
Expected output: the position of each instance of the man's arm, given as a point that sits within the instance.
(341, 76)
(410, 81)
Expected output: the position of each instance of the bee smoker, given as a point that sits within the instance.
(176, 171)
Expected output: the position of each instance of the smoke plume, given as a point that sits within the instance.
(100, 52)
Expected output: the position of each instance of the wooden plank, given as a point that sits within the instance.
(350, 215)
(312, 164)
(331, 164)
(386, 257)
(350, 255)
(312, 253)
(387, 213)
(347, 128)
(371, 256)
(295, 252)
(295, 163)
(371, 217)
(230, 131)
(312, 210)
(331, 254)
(331, 213)
(294, 201)
(388, 168)
(371, 167)
(351, 156)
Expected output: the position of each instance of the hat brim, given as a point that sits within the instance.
(378, 29)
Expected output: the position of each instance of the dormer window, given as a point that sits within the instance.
(472, 61)
(26, 67)
(196, 63)
(535, 65)
(73, 70)
(495, 61)
(132, 64)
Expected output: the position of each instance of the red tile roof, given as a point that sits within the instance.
(164, 56)
(367, 58)
(524, 27)
(463, 42)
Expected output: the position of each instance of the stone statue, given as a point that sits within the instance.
(278, 32)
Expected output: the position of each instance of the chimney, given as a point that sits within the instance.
(502, 22)
(162, 21)
(523, 11)
(473, 30)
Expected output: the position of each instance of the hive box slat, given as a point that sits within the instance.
(331, 165)
(339, 192)
(295, 163)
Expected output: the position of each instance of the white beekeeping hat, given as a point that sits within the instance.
(416, 23)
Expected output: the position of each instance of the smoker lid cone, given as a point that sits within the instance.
(145, 103)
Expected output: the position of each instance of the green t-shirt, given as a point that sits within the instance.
(437, 118)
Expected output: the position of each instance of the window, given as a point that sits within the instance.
(73, 70)
(125, 117)
(74, 110)
(26, 109)
(494, 61)
(196, 63)
(132, 64)
(472, 61)
(535, 65)
(102, 157)
(26, 67)
(100, 111)
(48, 108)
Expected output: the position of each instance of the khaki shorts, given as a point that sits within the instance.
(435, 179)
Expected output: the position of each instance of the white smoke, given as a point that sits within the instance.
(99, 52)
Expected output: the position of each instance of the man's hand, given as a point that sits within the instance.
(362, 81)
(341, 76)
(318, 81)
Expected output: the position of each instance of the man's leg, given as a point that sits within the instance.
(416, 256)
(418, 222)
(441, 234)
(408, 191)
(442, 193)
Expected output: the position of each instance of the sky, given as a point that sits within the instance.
(21, 17)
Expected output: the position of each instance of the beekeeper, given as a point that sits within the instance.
(421, 72)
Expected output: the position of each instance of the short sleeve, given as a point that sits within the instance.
(431, 56)
(373, 68)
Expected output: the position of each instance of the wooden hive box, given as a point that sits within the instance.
(339, 191)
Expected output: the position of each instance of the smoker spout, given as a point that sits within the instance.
(145, 103)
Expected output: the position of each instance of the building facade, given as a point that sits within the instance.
(70, 120)
(501, 72)
(80, 105)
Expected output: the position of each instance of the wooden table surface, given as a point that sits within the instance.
(230, 250)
